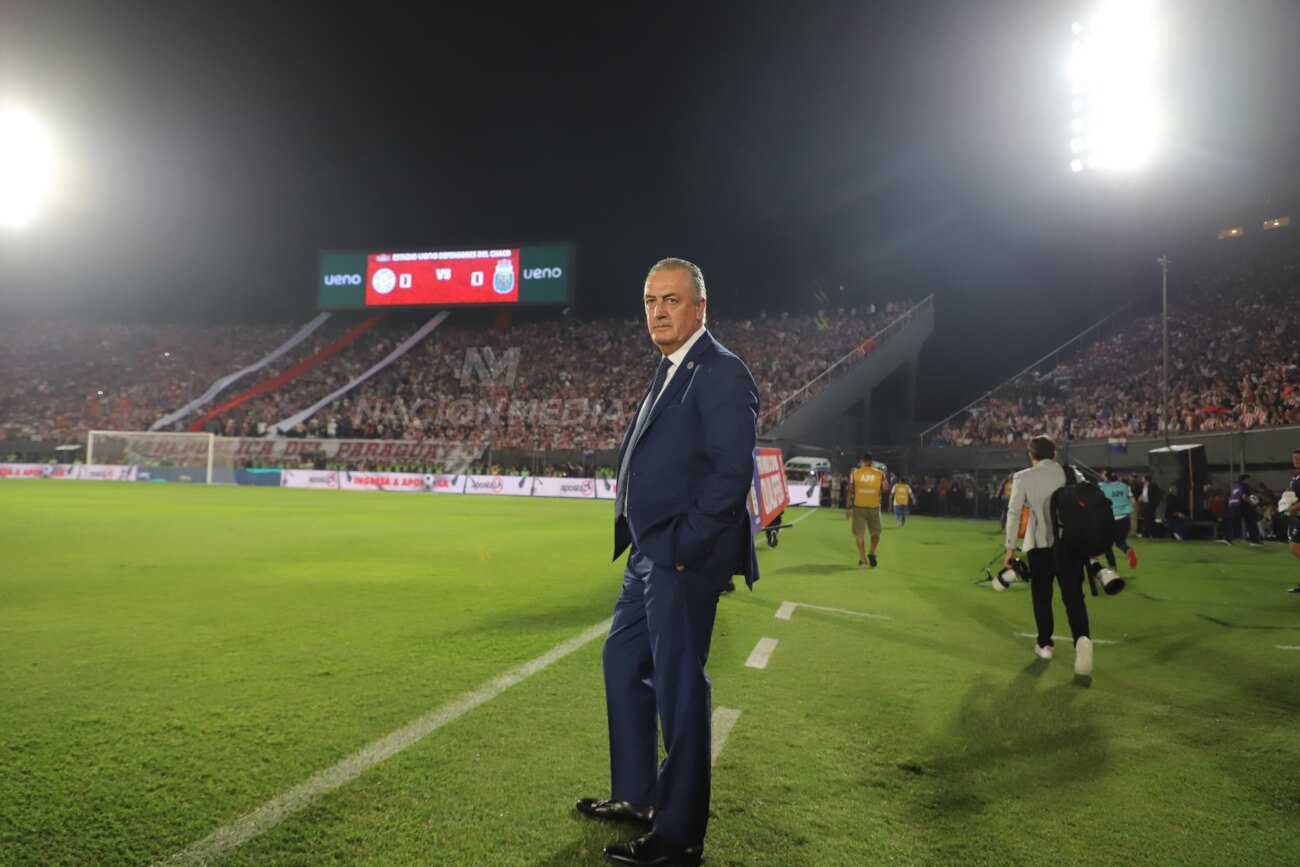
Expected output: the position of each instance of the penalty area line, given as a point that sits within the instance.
(281, 807)
(808, 514)
(761, 653)
(1066, 638)
(724, 720)
(787, 609)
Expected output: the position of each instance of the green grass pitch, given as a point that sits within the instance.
(173, 657)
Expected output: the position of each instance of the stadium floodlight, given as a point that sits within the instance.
(1114, 122)
(25, 166)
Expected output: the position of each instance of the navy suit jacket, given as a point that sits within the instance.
(690, 474)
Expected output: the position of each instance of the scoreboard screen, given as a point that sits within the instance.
(439, 278)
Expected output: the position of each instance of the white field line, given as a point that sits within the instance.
(1065, 638)
(724, 720)
(761, 653)
(281, 807)
(1287, 647)
(786, 611)
(808, 514)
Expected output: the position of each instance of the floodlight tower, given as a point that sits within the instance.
(1114, 121)
(25, 167)
(1113, 125)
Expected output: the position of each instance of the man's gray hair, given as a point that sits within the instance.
(698, 291)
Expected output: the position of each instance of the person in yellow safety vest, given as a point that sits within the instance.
(866, 487)
(901, 496)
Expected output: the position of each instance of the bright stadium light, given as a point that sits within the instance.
(1114, 118)
(26, 162)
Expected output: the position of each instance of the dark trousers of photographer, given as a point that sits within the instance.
(1047, 565)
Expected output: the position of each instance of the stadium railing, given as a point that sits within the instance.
(778, 413)
(1050, 361)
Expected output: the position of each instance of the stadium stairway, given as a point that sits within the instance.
(838, 414)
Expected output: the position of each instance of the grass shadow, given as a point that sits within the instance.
(1003, 743)
(820, 569)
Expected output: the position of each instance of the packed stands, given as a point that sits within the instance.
(1234, 359)
(544, 384)
(60, 379)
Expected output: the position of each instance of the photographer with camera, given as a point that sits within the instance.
(1031, 498)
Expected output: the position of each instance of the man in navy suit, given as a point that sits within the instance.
(685, 470)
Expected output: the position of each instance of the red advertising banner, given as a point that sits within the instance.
(455, 277)
(768, 496)
(39, 471)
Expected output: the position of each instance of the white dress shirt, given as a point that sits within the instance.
(674, 361)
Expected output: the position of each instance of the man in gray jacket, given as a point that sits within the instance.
(1029, 514)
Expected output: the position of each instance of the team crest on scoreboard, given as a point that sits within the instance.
(503, 279)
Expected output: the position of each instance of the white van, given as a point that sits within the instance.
(800, 468)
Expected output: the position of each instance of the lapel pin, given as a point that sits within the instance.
(690, 365)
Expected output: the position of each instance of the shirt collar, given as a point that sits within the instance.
(679, 355)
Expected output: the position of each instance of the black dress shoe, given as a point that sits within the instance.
(653, 851)
(616, 811)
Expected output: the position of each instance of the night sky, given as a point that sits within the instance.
(208, 151)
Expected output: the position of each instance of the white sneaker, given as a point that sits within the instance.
(1043, 652)
(1083, 656)
(1225, 542)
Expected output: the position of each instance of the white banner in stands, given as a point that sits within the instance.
(39, 471)
(606, 489)
(108, 472)
(220, 385)
(577, 488)
(325, 479)
(804, 494)
(501, 486)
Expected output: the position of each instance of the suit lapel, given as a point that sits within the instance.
(681, 379)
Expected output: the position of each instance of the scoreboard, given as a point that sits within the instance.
(539, 274)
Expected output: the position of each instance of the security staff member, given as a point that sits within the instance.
(902, 499)
(866, 486)
(1033, 488)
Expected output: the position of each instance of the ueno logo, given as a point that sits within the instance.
(342, 279)
(543, 273)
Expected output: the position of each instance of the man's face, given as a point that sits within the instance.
(1295, 460)
(671, 313)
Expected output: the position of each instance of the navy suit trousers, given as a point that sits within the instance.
(654, 662)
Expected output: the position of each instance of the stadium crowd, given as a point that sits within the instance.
(61, 379)
(530, 385)
(1234, 363)
(543, 394)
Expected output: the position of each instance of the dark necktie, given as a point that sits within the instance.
(647, 404)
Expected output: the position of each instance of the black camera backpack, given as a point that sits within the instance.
(1082, 518)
